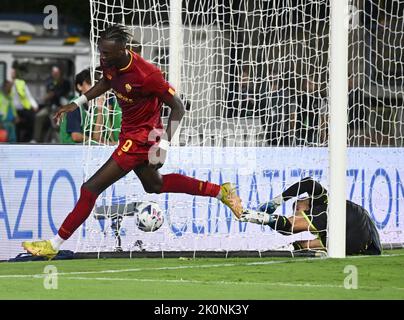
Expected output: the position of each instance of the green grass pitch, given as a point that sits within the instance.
(379, 277)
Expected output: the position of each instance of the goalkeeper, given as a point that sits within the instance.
(310, 214)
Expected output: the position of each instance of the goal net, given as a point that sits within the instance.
(254, 79)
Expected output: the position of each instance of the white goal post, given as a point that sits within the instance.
(275, 90)
(338, 127)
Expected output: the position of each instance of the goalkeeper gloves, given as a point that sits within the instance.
(270, 207)
(254, 217)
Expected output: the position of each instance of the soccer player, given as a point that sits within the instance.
(310, 214)
(141, 90)
(73, 126)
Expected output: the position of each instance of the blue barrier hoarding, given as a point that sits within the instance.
(39, 185)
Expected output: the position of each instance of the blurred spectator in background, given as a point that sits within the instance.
(57, 88)
(240, 98)
(8, 113)
(26, 107)
(112, 119)
(276, 111)
(358, 113)
(111, 111)
(3, 133)
(72, 126)
(106, 122)
(57, 94)
(311, 115)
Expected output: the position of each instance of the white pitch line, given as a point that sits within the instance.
(182, 281)
(153, 269)
(280, 284)
(271, 262)
(204, 282)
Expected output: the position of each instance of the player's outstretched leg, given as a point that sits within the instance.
(154, 182)
(109, 173)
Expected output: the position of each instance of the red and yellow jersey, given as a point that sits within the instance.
(139, 88)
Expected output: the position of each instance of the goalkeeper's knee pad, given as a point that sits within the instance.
(280, 224)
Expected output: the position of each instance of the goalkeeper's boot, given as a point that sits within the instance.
(40, 248)
(230, 198)
(254, 217)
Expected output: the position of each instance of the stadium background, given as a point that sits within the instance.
(39, 183)
(35, 198)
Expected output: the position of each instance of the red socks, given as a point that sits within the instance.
(175, 183)
(178, 183)
(79, 214)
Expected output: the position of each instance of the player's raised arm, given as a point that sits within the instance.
(174, 102)
(307, 185)
(265, 211)
(98, 89)
(156, 85)
(312, 187)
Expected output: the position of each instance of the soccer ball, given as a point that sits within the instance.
(149, 217)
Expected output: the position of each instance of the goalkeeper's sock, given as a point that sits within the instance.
(56, 242)
(280, 224)
(178, 183)
(79, 214)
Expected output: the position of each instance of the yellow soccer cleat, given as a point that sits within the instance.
(40, 248)
(231, 199)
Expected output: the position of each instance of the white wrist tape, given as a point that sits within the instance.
(164, 144)
(80, 100)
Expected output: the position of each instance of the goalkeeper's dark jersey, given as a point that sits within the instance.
(361, 233)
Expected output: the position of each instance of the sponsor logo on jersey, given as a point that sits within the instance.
(122, 97)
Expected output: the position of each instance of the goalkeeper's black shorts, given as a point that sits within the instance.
(362, 236)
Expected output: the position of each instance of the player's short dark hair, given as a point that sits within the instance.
(117, 33)
(83, 76)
